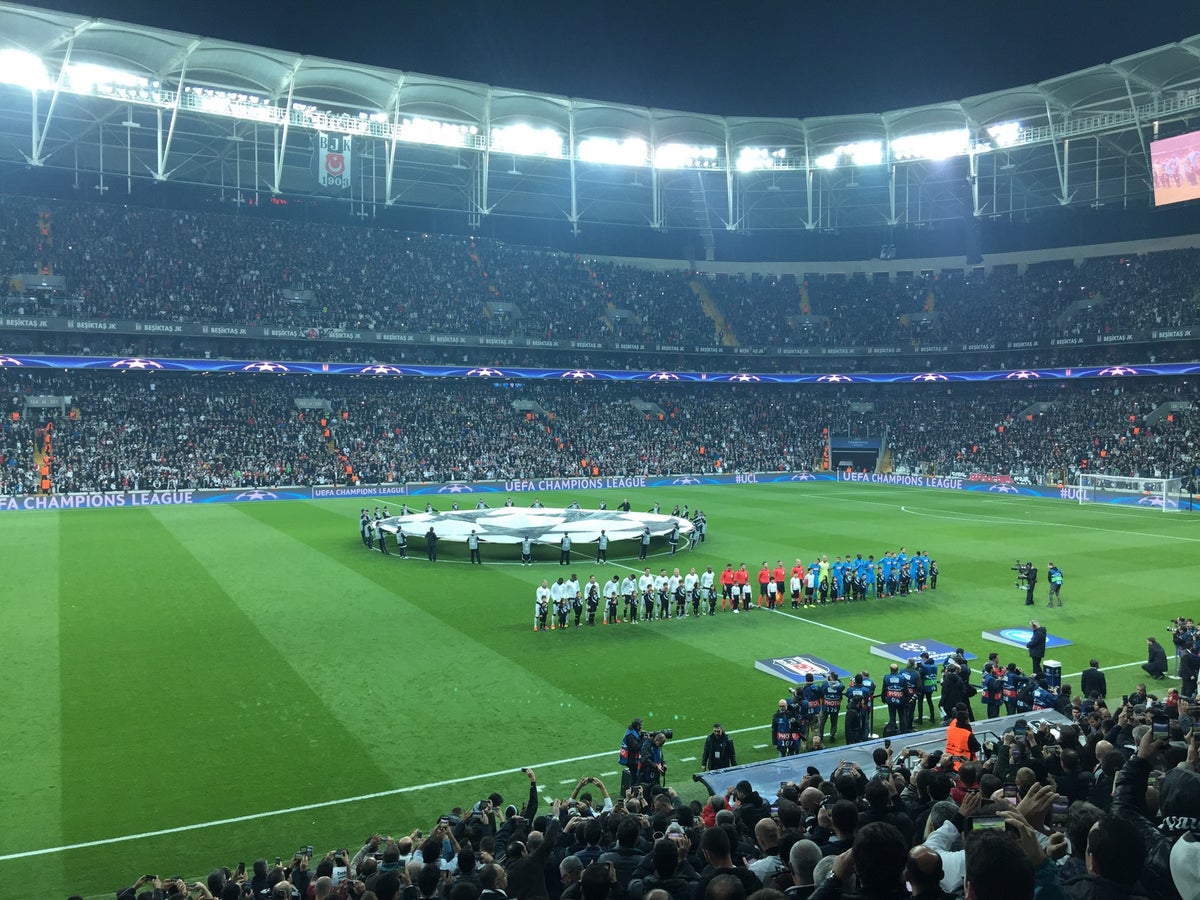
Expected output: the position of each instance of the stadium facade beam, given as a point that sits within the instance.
(164, 145)
(281, 133)
(573, 215)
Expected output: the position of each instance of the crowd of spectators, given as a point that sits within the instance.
(133, 263)
(1104, 807)
(142, 430)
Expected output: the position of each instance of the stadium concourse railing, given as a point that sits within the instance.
(449, 491)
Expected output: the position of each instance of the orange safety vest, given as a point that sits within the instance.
(958, 744)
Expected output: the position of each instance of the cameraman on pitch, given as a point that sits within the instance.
(652, 768)
(1030, 574)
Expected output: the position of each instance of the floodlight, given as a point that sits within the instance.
(934, 145)
(417, 130)
(1004, 134)
(88, 78)
(613, 151)
(827, 161)
(23, 69)
(863, 153)
(525, 140)
(750, 159)
(684, 156)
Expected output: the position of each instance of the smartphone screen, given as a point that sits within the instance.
(985, 822)
(1010, 791)
(1159, 727)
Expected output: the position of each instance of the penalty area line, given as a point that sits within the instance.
(325, 804)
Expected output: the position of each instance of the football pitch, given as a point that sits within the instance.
(186, 687)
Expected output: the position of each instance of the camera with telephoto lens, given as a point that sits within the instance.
(668, 733)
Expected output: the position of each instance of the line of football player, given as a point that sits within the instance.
(565, 601)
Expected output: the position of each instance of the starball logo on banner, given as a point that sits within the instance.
(333, 160)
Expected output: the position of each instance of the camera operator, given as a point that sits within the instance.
(1028, 576)
(631, 750)
(651, 768)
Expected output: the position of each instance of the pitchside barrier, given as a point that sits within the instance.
(767, 777)
(165, 496)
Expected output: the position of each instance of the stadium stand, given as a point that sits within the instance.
(134, 264)
(141, 430)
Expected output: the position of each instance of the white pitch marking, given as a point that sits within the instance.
(861, 637)
(687, 759)
(984, 520)
(324, 804)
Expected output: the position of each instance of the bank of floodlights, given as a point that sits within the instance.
(685, 156)
(858, 153)
(23, 69)
(418, 130)
(523, 139)
(1004, 134)
(614, 151)
(934, 145)
(755, 159)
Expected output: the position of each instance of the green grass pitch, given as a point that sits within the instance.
(174, 667)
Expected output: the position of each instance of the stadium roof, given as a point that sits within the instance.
(209, 111)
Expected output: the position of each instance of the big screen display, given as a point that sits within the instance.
(1176, 165)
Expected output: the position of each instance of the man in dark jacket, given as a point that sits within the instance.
(1156, 664)
(1179, 812)
(1036, 645)
(953, 692)
(665, 875)
(626, 855)
(1092, 681)
(750, 807)
(718, 750)
(526, 869)
(1116, 855)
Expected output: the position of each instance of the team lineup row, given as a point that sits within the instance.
(649, 595)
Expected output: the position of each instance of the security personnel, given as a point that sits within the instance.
(961, 743)
(813, 696)
(929, 680)
(783, 731)
(719, 752)
(858, 698)
(1014, 681)
(869, 684)
(1055, 577)
(1043, 697)
(993, 690)
(564, 550)
(832, 699)
(912, 676)
(895, 695)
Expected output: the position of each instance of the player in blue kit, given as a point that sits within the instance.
(872, 587)
(887, 568)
